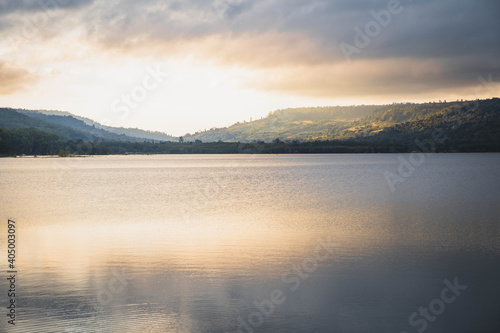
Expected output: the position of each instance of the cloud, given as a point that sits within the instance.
(430, 44)
(424, 28)
(33, 6)
(388, 79)
(14, 79)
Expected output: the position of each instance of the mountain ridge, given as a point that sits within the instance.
(467, 125)
(86, 128)
(311, 124)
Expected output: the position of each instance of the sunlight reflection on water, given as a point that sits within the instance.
(189, 243)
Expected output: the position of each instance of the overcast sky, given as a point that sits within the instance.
(182, 66)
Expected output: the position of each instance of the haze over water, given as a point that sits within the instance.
(191, 243)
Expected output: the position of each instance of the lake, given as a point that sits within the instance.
(253, 243)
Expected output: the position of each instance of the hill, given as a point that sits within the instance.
(131, 132)
(466, 125)
(287, 124)
(395, 123)
(71, 127)
(11, 119)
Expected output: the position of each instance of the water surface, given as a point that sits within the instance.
(201, 243)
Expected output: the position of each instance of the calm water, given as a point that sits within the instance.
(248, 243)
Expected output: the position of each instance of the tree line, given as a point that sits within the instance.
(31, 141)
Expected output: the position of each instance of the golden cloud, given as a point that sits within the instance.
(14, 79)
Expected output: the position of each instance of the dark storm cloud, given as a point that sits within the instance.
(424, 28)
(451, 41)
(20, 16)
(27, 6)
(443, 28)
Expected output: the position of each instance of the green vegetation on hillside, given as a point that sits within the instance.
(471, 126)
(466, 126)
(67, 120)
(401, 123)
(288, 124)
(11, 119)
(96, 129)
(30, 141)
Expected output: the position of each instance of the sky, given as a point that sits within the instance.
(183, 66)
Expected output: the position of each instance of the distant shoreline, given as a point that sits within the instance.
(460, 126)
(178, 154)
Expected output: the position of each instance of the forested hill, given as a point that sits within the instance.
(466, 125)
(365, 122)
(287, 124)
(11, 119)
(63, 117)
(470, 126)
(71, 127)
